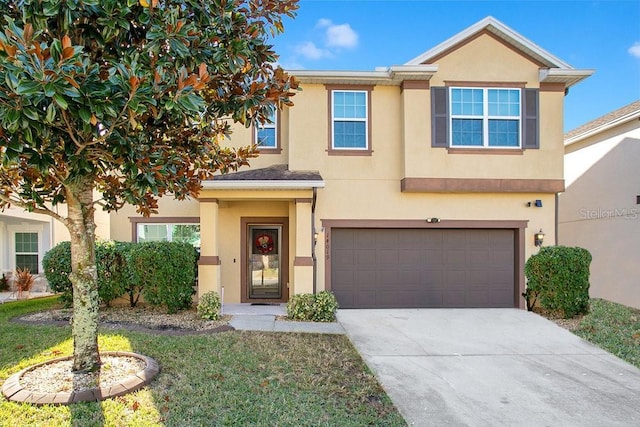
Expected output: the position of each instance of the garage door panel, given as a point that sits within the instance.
(384, 268)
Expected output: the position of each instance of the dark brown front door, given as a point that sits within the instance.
(388, 268)
(264, 260)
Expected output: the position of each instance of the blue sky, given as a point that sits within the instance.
(365, 34)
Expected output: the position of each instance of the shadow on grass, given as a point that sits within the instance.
(230, 378)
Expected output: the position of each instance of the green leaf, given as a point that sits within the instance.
(31, 113)
(62, 103)
(28, 87)
(51, 113)
(85, 115)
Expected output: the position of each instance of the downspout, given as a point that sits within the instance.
(555, 232)
(313, 237)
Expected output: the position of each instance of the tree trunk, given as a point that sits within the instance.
(84, 277)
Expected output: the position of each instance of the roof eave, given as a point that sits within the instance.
(567, 76)
(393, 75)
(605, 126)
(261, 185)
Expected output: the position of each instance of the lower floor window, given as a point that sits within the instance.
(188, 233)
(27, 252)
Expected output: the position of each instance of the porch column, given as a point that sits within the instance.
(303, 263)
(209, 263)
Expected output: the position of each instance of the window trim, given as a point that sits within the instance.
(486, 118)
(254, 135)
(331, 150)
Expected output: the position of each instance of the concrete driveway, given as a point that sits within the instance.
(489, 367)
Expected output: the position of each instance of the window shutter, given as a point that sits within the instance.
(439, 117)
(530, 134)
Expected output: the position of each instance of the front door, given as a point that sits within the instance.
(264, 262)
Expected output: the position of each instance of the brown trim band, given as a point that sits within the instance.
(483, 151)
(472, 185)
(303, 261)
(416, 84)
(309, 200)
(209, 260)
(208, 200)
(333, 152)
(552, 87)
(422, 223)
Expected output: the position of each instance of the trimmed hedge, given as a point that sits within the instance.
(165, 271)
(559, 277)
(320, 307)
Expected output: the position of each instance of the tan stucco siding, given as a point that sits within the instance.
(599, 210)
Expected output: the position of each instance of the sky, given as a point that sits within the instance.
(364, 34)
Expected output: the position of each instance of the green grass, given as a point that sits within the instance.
(226, 379)
(613, 327)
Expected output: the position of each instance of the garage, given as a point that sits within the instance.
(423, 268)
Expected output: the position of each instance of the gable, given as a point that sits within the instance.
(486, 59)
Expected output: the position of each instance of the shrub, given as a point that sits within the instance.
(110, 263)
(320, 307)
(112, 271)
(4, 283)
(24, 280)
(209, 306)
(165, 271)
(559, 277)
(57, 267)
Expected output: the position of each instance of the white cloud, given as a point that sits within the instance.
(341, 36)
(635, 50)
(310, 51)
(323, 23)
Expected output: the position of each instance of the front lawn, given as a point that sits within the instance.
(230, 378)
(613, 327)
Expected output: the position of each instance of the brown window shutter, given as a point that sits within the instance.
(530, 123)
(439, 117)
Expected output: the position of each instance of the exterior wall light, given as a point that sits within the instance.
(537, 203)
(538, 238)
(433, 220)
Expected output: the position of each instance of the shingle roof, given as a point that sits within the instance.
(630, 110)
(271, 173)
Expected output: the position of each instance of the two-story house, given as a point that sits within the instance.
(417, 185)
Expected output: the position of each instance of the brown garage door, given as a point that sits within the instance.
(388, 268)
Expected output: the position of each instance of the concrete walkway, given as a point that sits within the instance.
(247, 317)
(13, 296)
(492, 367)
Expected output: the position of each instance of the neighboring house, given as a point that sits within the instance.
(409, 186)
(600, 209)
(25, 237)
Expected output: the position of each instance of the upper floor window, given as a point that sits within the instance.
(485, 117)
(476, 117)
(350, 127)
(266, 134)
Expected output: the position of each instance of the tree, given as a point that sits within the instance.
(127, 100)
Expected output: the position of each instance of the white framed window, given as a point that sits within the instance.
(167, 232)
(27, 251)
(266, 134)
(350, 120)
(485, 117)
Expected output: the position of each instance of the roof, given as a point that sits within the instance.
(272, 177)
(621, 115)
(553, 69)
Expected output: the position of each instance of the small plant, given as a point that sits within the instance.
(558, 276)
(24, 280)
(209, 306)
(4, 283)
(320, 307)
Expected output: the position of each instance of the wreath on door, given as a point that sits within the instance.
(264, 244)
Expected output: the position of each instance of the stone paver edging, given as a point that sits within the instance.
(13, 391)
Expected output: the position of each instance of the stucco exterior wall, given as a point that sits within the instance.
(600, 212)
